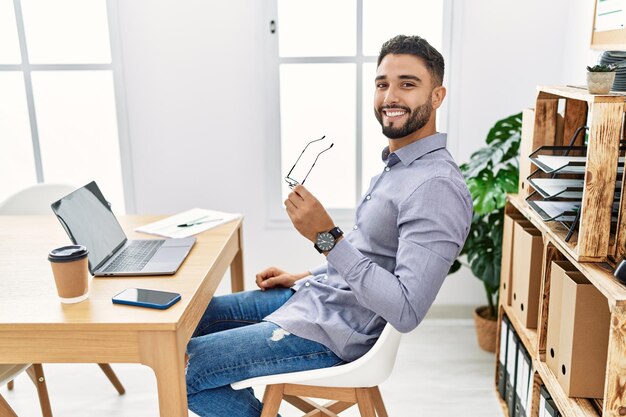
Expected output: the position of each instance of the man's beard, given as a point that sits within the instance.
(417, 119)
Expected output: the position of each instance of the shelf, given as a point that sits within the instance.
(579, 93)
(599, 274)
(571, 407)
(555, 230)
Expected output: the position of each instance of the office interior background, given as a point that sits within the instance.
(171, 105)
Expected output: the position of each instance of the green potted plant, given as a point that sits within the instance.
(490, 174)
(600, 78)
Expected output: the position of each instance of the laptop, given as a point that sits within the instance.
(87, 218)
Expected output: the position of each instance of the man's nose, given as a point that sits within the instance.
(391, 96)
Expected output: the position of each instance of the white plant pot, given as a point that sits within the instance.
(600, 82)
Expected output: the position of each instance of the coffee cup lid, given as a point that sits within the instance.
(67, 253)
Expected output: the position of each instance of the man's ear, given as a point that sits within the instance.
(437, 96)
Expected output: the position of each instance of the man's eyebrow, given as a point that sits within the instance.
(402, 77)
(410, 77)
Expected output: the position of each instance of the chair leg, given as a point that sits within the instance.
(377, 399)
(364, 400)
(271, 400)
(300, 403)
(35, 372)
(5, 408)
(108, 371)
(10, 385)
(329, 409)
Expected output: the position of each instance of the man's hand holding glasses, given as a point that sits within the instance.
(307, 214)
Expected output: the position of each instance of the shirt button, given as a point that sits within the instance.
(368, 197)
(355, 227)
(387, 169)
(325, 277)
(307, 284)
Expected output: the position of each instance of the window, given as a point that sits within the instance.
(326, 59)
(58, 114)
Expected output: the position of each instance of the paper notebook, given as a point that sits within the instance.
(188, 223)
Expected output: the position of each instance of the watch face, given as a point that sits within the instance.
(325, 241)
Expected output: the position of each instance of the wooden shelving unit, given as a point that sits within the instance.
(603, 114)
(599, 273)
(534, 340)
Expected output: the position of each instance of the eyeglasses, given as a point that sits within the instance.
(290, 181)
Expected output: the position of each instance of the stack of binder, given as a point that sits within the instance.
(515, 372)
(559, 182)
(547, 407)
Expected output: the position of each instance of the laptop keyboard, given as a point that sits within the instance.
(135, 256)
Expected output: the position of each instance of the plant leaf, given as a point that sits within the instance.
(503, 140)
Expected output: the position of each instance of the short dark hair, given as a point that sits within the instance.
(419, 47)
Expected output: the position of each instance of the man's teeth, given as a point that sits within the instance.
(395, 113)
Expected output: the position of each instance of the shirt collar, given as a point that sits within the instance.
(415, 150)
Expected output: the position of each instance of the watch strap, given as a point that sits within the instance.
(336, 232)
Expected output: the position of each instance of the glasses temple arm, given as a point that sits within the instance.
(316, 158)
(302, 153)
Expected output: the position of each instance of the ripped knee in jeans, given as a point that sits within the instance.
(279, 334)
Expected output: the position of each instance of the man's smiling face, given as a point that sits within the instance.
(403, 98)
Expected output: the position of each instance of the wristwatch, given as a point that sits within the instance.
(325, 241)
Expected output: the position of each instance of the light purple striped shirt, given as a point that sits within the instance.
(410, 226)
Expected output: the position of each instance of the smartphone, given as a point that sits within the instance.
(146, 298)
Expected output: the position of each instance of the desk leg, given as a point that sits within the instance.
(236, 267)
(161, 352)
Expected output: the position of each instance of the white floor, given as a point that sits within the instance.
(440, 371)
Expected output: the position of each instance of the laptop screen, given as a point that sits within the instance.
(88, 220)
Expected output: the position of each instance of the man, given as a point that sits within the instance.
(410, 226)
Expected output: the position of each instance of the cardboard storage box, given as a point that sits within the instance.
(583, 338)
(526, 277)
(507, 254)
(558, 270)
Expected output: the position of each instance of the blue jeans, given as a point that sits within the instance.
(232, 343)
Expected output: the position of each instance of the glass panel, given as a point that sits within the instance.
(78, 130)
(17, 163)
(373, 139)
(316, 28)
(66, 31)
(9, 42)
(317, 100)
(406, 17)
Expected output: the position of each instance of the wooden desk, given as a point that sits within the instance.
(36, 328)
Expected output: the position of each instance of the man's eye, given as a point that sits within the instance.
(380, 85)
(408, 85)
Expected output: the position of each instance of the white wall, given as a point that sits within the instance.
(197, 109)
(576, 51)
(194, 77)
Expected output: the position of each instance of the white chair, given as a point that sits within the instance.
(36, 200)
(355, 382)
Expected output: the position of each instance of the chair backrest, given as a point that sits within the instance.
(34, 200)
(374, 367)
